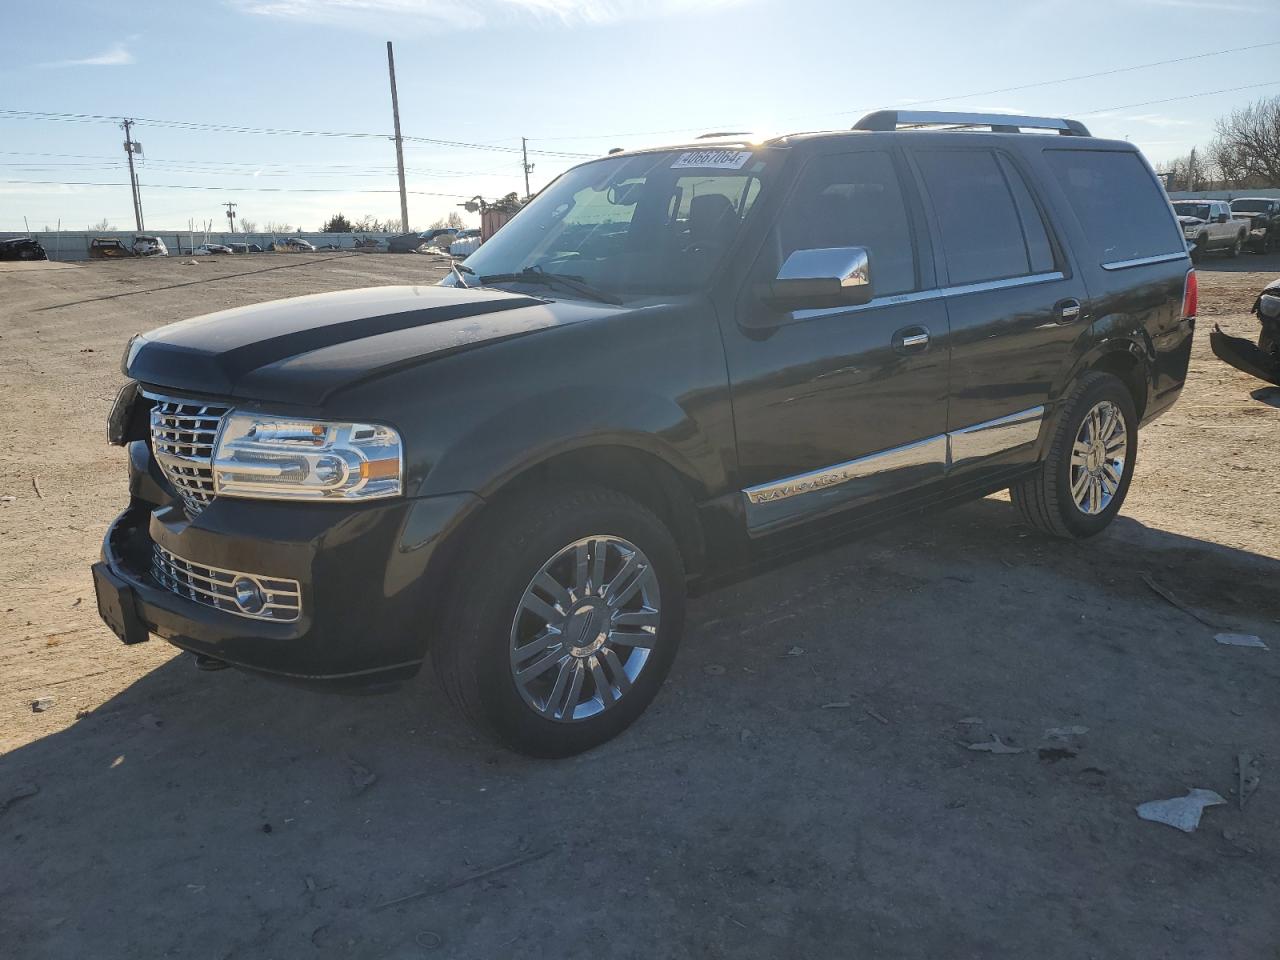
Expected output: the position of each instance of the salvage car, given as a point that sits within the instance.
(413, 242)
(210, 249)
(1263, 215)
(291, 245)
(1209, 226)
(244, 248)
(673, 367)
(148, 246)
(109, 248)
(1261, 360)
(22, 248)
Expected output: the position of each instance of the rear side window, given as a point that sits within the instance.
(1123, 211)
(986, 235)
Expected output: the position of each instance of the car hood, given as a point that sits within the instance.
(1189, 221)
(304, 349)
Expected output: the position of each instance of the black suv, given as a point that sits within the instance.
(671, 367)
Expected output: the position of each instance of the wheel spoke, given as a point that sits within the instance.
(629, 567)
(1109, 486)
(628, 591)
(642, 639)
(599, 553)
(541, 609)
(539, 643)
(581, 577)
(620, 678)
(554, 589)
(1079, 451)
(1095, 495)
(1116, 444)
(604, 689)
(1079, 486)
(556, 698)
(1112, 473)
(539, 666)
(644, 617)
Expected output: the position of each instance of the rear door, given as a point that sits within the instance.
(1013, 302)
(840, 406)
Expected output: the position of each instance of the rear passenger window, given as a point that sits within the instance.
(984, 235)
(1124, 213)
(852, 200)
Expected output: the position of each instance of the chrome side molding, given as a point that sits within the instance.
(1144, 261)
(944, 451)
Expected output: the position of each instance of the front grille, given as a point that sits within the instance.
(215, 587)
(183, 433)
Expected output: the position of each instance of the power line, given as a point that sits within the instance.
(189, 186)
(1189, 96)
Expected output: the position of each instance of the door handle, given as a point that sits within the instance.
(1067, 311)
(911, 340)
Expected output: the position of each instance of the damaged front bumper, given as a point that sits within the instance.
(1245, 355)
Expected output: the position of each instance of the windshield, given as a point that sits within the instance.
(1200, 210)
(1249, 206)
(652, 223)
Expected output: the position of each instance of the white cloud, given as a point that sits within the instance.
(115, 56)
(452, 15)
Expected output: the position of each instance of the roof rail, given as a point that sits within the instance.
(724, 133)
(998, 122)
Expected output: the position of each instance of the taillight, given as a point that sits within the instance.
(1190, 295)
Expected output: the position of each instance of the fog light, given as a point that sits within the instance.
(249, 595)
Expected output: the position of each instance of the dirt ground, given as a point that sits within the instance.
(801, 788)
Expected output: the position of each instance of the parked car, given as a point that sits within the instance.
(466, 243)
(1263, 214)
(244, 248)
(209, 249)
(673, 366)
(22, 248)
(1261, 360)
(292, 245)
(412, 242)
(1208, 225)
(147, 246)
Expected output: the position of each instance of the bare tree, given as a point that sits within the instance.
(1250, 139)
(454, 220)
(272, 227)
(103, 224)
(1188, 172)
(248, 226)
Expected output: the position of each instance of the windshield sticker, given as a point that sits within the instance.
(713, 159)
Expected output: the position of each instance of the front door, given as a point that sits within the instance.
(836, 407)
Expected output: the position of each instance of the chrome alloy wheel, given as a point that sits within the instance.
(585, 627)
(1097, 458)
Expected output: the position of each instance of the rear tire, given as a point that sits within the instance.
(598, 672)
(1083, 480)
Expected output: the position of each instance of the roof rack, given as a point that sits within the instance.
(724, 133)
(997, 122)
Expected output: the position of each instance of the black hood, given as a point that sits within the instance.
(303, 349)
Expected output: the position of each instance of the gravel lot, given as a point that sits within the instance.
(800, 789)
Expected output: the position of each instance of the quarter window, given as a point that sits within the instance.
(985, 236)
(1121, 208)
(852, 200)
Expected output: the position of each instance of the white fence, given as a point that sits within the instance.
(1224, 194)
(74, 245)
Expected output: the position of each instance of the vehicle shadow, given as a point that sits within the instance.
(797, 784)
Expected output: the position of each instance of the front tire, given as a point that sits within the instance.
(1236, 248)
(1083, 480)
(568, 610)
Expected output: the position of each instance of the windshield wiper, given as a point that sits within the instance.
(458, 269)
(563, 280)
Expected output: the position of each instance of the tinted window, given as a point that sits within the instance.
(1039, 249)
(1123, 211)
(852, 200)
(982, 235)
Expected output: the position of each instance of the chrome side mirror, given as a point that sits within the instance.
(1269, 307)
(827, 277)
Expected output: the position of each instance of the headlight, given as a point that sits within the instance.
(284, 458)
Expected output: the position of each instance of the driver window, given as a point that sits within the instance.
(852, 200)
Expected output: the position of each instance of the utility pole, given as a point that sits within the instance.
(231, 215)
(395, 113)
(131, 147)
(528, 167)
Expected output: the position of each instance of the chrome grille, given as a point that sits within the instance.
(183, 433)
(216, 587)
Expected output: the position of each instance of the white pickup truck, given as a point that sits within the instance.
(1208, 226)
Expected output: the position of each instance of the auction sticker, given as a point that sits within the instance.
(713, 159)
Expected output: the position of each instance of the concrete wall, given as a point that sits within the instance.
(74, 245)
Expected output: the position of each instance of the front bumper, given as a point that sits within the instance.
(369, 589)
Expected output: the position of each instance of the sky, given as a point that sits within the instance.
(576, 77)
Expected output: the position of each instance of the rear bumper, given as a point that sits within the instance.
(368, 597)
